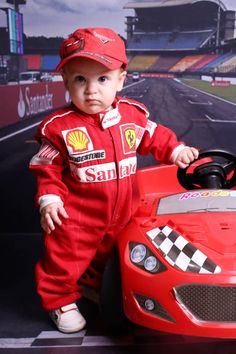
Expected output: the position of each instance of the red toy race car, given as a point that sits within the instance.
(177, 256)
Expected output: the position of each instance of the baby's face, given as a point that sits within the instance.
(91, 85)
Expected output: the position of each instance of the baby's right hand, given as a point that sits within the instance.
(50, 216)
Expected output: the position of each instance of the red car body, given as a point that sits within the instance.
(192, 236)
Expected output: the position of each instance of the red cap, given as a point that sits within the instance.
(100, 44)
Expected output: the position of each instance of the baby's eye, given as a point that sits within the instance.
(102, 78)
(80, 78)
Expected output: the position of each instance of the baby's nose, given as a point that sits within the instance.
(91, 87)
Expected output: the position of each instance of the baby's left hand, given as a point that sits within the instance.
(187, 155)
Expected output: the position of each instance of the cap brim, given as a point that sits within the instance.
(110, 63)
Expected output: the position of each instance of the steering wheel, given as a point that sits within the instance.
(213, 175)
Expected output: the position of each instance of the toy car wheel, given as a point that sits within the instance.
(111, 304)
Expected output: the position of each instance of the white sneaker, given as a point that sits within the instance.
(68, 319)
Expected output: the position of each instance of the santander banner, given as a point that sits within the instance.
(24, 101)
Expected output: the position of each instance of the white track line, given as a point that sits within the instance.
(18, 131)
(205, 93)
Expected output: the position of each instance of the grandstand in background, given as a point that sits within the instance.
(182, 37)
(174, 37)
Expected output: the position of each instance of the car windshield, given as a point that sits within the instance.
(25, 76)
(29, 76)
(198, 201)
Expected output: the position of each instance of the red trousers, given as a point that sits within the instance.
(73, 254)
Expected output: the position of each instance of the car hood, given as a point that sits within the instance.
(206, 216)
(214, 231)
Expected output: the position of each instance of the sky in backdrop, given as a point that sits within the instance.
(53, 18)
(60, 17)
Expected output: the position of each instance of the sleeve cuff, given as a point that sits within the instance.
(176, 152)
(48, 199)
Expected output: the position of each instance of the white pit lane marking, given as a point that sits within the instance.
(219, 120)
(189, 96)
(201, 103)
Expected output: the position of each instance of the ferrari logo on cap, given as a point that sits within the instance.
(130, 137)
(72, 45)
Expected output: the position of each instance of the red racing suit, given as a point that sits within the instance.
(89, 162)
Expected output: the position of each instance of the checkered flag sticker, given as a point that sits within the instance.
(180, 253)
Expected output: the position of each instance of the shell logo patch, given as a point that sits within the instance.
(77, 141)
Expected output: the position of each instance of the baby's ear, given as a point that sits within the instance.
(64, 76)
(121, 80)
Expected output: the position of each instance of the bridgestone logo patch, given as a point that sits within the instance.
(96, 155)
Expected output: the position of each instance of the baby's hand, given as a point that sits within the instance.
(187, 155)
(50, 216)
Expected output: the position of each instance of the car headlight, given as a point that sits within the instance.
(142, 257)
(150, 263)
(138, 253)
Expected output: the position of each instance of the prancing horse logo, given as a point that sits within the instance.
(130, 137)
